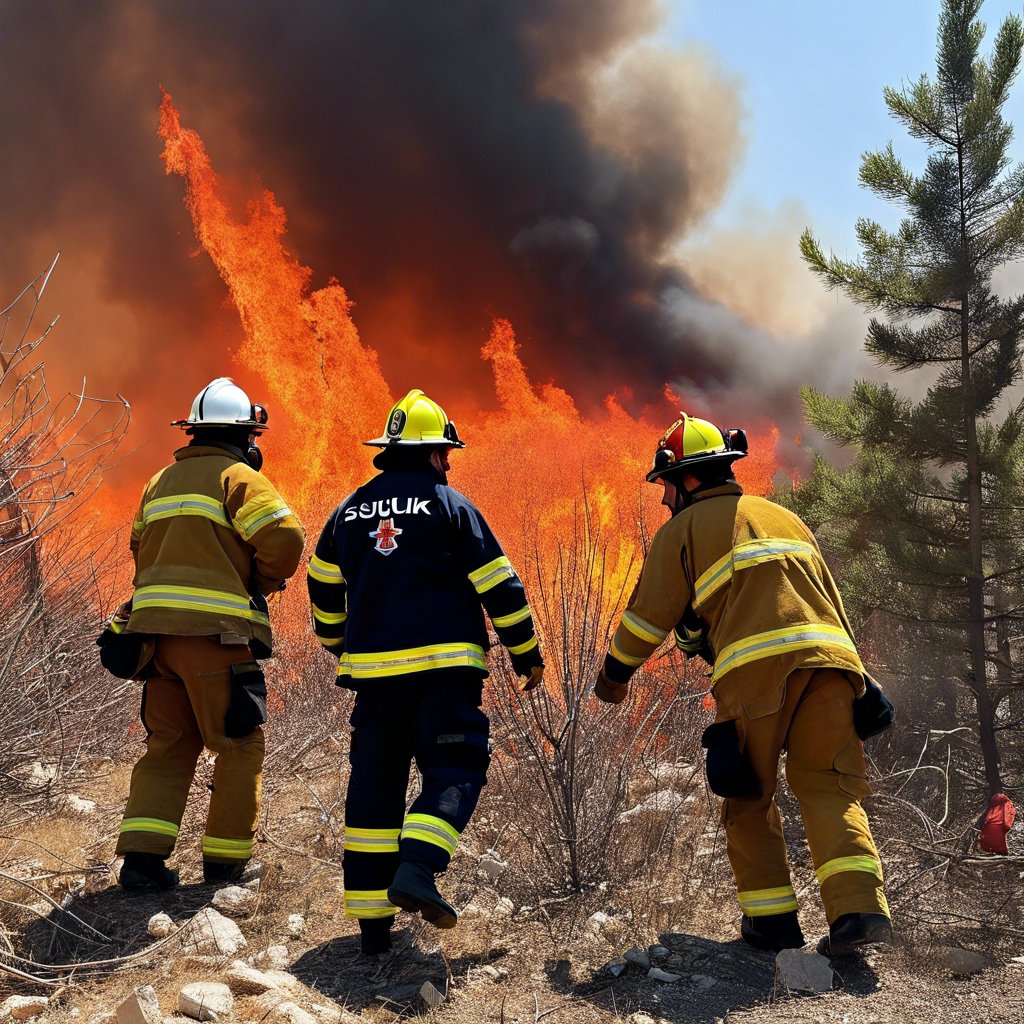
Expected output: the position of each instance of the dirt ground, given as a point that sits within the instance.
(508, 961)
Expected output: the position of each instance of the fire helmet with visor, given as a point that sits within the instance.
(417, 420)
(222, 403)
(691, 443)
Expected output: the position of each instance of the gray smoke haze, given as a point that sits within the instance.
(445, 161)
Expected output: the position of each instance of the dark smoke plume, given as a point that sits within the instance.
(446, 161)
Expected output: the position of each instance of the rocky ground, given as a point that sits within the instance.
(280, 950)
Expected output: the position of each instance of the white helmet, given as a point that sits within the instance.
(222, 403)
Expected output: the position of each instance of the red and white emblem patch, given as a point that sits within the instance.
(385, 535)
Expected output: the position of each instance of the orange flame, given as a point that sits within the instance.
(546, 476)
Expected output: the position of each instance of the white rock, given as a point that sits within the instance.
(801, 970)
(432, 996)
(282, 979)
(596, 922)
(160, 925)
(665, 801)
(210, 932)
(657, 974)
(23, 1007)
(141, 1007)
(76, 805)
(494, 973)
(290, 1013)
(235, 901)
(273, 958)
(505, 906)
(205, 1000)
(244, 980)
(296, 924)
(471, 911)
(637, 957)
(1017, 961)
(491, 865)
(962, 962)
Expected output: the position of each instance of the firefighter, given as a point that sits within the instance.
(396, 584)
(740, 581)
(211, 539)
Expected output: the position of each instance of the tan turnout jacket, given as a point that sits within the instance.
(210, 533)
(745, 575)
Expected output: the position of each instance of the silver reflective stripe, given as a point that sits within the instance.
(768, 903)
(423, 659)
(368, 904)
(797, 637)
(154, 509)
(502, 570)
(149, 595)
(418, 826)
(258, 524)
(366, 841)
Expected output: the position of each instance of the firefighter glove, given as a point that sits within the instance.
(609, 691)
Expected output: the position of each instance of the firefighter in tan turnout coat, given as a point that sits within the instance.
(211, 538)
(741, 581)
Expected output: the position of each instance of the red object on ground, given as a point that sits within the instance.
(998, 821)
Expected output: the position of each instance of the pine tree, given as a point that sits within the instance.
(928, 513)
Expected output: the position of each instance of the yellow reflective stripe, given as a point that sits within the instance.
(861, 862)
(413, 659)
(626, 659)
(642, 628)
(372, 840)
(255, 514)
(137, 527)
(164, 828)
(429, 829)
(764, 902)
(328, 618)
(491, 574)
(116, 625)
(331, 641)
(237, 849)
(368, 903)
(743, 556)
(325, 572)
(184, 505)
(524, 647)
(510, 620)
(708, 582)
(197, 599)
(782, 641)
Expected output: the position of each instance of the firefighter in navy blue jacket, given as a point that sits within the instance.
(396, 584)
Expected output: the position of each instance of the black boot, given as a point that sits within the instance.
(849, 932)
(773, 931)
(375, 934)
(145, 872)
(224, 874)
(413, 889)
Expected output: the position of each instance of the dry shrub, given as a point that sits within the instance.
(58, 709)
(571, 775)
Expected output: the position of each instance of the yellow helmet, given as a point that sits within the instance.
(417, 420)
(690, 441)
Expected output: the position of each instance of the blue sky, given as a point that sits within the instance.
(811, 75)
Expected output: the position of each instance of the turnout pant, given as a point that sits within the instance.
(826, 770)
(183, 709)
(434, 718)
